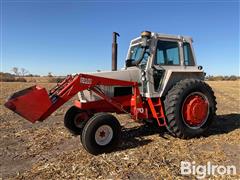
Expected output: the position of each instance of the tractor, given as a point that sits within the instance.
(161, 82)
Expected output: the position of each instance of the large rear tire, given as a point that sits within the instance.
(190, 107)
(101, 134)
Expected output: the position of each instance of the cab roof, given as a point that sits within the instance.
(166, 36)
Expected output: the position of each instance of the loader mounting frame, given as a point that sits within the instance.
(133, 104)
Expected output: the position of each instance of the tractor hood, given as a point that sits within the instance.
(129, 74)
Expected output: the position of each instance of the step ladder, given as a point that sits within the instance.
(157, 110)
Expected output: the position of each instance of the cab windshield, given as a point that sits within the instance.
(135, 54)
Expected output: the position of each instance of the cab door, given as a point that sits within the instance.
(167, 56)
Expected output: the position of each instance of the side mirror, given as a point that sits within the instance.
(129, 62)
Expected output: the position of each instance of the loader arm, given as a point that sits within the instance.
(36, 104)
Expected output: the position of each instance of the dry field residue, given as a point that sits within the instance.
(46, 150)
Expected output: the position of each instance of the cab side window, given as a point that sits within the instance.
(167, 53)
(188, 56)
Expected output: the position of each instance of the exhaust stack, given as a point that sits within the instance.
(114, 51)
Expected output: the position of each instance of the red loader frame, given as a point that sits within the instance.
(36, 104)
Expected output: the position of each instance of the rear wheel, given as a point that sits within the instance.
(190, 107)
(101, 134)
(75, 119)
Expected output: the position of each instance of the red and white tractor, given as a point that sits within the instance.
(160, 82)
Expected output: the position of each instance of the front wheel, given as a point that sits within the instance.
(101, 134)
(190, 107)
(75, 119)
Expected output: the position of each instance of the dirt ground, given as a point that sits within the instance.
(46, 150)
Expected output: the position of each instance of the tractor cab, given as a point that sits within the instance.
(160, 57)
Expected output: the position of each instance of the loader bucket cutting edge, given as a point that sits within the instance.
(30, 103)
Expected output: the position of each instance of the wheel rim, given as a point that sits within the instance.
(80, 118)
(103, 135)
(195, 110)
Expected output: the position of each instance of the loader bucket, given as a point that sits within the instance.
(30, 103)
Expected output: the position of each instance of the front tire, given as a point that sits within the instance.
(190, 107)
(101, 134)
(75, 119)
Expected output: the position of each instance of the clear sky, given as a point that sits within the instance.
(69, 36)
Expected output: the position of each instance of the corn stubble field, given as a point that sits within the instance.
(46, 150)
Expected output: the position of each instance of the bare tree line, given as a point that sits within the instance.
(19, 71)
(19, 74)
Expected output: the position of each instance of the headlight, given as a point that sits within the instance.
(143, 78)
